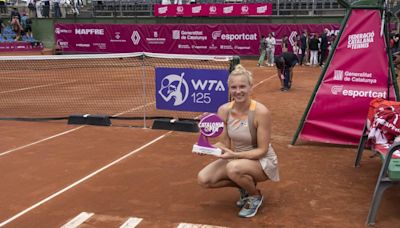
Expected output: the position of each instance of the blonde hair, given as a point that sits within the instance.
(241, 71)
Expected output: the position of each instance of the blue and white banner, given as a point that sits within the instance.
(195, 90)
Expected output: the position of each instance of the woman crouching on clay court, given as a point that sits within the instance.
(247, 156)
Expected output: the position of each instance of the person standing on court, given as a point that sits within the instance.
(285, 44)
(313, 44)
(262, 50)
(285, 63)
(270, 43)
(247, 156)
(303, 47)
(324, 46)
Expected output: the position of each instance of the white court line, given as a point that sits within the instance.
(132, 222)
(35, 87)
(264, 81)
(42, 140)
(134, 109)
(78, 220)
(190, 225)
(81, 180)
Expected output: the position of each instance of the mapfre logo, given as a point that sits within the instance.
(99, 32)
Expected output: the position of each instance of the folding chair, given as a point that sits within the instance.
(390, 171)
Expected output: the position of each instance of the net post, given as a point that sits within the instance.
(144, 76)
(235, 61)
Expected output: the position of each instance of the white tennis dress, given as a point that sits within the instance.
(244, 138)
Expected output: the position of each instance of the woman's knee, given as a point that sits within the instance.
(204, 180)
(233, 169)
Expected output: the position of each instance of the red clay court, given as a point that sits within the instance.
(51, 172)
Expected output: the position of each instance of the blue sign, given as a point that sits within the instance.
(195, 90)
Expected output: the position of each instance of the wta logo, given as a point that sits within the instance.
(338, 90)
(174, 87)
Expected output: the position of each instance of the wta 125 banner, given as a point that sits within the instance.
(195, 90)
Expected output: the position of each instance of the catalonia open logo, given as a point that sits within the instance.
(211, 125)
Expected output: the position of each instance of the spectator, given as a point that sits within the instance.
(1, 25)
(332, 39)
(39, 8)
(296, 49)
(31, 8)
(303, 46)
(262, 49)
(27, 25)
(57, 8)
(285, 44)
(396, 59)
(3, 7)
(45, 8)
(75, 6)
(270, 44)
(17, 28)
(63, 7)
(15, 13)
(314, 48)
(396, 43)
(324, 46)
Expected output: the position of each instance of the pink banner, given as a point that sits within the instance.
(215, 39)
(358, 72)
(20, 46)
(212, 10)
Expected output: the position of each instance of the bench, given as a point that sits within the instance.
(381, 112)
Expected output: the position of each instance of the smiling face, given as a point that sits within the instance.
(239, 88)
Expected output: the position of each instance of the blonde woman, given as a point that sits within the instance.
(248, 156)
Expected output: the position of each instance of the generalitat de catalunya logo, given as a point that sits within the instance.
(174, 87)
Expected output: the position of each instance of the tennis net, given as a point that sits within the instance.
(117, 85)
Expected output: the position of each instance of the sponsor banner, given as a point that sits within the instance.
(358, 72)
(20, 46)
(215, 39)
(212, 10)
(195, 90)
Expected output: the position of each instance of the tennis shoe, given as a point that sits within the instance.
(251, 206)
(242, 199)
